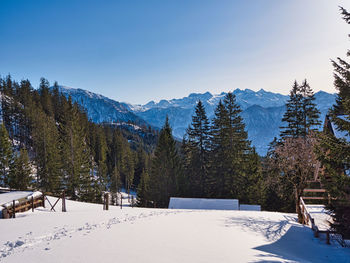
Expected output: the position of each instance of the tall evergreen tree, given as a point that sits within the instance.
(140, 165)
(20, 172)
(302, 115)
(143, 190)
(76, 155)
(293, 117)
(311, 115)
(218, 149)
(165, 168)
(115, 180)
(196, 153)
(45, 97)
(6, 155)
(230, 150)
(47, 152)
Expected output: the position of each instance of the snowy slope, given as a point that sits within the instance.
(99, 108)
(86, 234)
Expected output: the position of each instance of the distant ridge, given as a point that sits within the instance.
(100, 108)
(262, 111)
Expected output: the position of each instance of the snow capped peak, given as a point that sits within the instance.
(99, 108)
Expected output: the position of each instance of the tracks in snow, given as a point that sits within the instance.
(28, 241)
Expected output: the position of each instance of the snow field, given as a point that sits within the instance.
(86, 233)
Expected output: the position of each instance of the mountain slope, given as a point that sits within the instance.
(99, 108)
(262, 111)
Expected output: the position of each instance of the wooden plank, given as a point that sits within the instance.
(315, 190)
(313, 198)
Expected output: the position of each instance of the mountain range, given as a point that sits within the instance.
(262, 111)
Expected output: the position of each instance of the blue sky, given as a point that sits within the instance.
(137, 51)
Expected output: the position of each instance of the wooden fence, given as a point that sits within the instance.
(309, 220)
(22, 205)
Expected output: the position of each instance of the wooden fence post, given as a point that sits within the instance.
(14, 208)
(121, 202)
(43, 200)
(107, 200)
(32, 203)
(104, 201)
(328, 238)
(132, 201)
(5, 213)
(64, 202)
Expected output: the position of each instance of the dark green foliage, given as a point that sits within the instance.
(165, 169)
(143, 190)
(47, 152)
(5, 155)
(340, 212)
(20, 172)
(115, 181)
(142, 163)
(68, 151)
(76, 155)
(302, 115)
(196, 154)
(234, 164)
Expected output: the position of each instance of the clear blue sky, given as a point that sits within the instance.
(137, 51)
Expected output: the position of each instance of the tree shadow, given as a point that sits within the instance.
(271, 230)
(290, 241)
(298, 244)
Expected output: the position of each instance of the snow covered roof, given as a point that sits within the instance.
(203, 203)
(6, 199)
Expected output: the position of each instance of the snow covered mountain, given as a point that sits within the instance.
(262, 111)
(99, 108)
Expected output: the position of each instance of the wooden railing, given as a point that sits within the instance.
(22, 205)
(309, 220)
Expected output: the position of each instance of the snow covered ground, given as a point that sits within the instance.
(319, 213)
(86, 233)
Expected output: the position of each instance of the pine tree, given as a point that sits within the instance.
(311, 114)
(76, 155)
(143, 190)
(196, 153)
(127, 167)
(302, 115)
(20, 172)
(230, 150)
(100, 150)
(165, 168)
(141, 164)
(218, 148)
(47, 152)
(293, 116)
(5, 155)
(45, 97)
(115, 181)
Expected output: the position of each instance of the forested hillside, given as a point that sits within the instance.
(48, 143)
